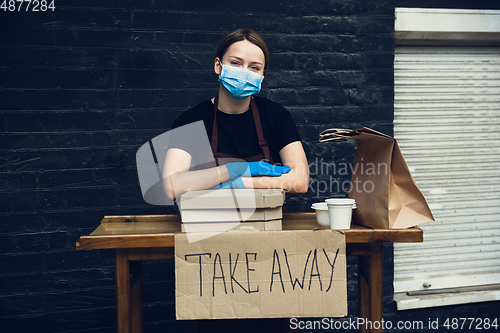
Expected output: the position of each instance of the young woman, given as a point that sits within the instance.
(239, 125)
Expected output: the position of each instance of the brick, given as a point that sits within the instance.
(4, 164)
(61, 140)
(71, 219)
(371, 96)
(54, 100)
(32, 160)
(323, 78)
(260, 6)
(35, 57)
(31, 304)
(176, 325)
(56, 78)
(64, 320)
(160, 20)
(7, 244)
(200, 5)
(130, 196)
(23, 263)
(26, 36)
(35, 242)
(336, 24)
(101, 18)
(350, 78)
(21, 181)
(283, 60)
(23, 202)
(333, 97)
(67, 260)
(32, 121)
(141, 119)
(90, 197)
(320, 43)
(380, 78)
(66, 179)
(52, 200)
(15, 141)
(379, 60)
(177, 40)
(374, 112)
(25, 222)
(318, 7)
(84, 158)
(371, 7)
(103, 139)
(117, 4)
(285, 79)
(308, 96)
(146, 98)
(104, 177)
(318, 115)
(334, 60)
(373, 25)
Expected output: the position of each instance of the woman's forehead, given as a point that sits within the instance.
(247, 51)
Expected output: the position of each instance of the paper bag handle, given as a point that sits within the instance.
(336, 134)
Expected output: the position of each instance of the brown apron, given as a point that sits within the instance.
(264, 156)
(250, 325)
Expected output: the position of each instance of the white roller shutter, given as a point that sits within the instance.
(447, 122)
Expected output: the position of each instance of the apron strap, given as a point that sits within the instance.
(260, 133)
(215, 137)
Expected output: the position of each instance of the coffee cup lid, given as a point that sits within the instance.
(319, 205)
(341, 201)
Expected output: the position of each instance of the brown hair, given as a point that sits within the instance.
(243, 34)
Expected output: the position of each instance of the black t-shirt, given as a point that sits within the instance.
(236, 132)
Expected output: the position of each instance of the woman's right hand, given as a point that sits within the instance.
(251, 169)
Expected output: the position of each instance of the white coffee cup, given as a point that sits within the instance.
(340, 212)
(322, 215)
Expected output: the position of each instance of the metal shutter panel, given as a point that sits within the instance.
(447, 123)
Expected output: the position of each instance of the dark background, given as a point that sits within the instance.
(84, 86)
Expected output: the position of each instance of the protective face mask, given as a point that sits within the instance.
(240, 82)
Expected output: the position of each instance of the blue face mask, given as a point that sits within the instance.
(240, 82)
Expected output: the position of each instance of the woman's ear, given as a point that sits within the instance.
(217, 66)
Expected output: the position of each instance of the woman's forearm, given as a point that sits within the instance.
(181, 182)
(296, 181)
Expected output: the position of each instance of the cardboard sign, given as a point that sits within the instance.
(261, 274)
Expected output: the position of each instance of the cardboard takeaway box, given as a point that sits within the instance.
(258, 209)
(231, 226)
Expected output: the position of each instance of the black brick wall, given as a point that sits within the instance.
(84, 86)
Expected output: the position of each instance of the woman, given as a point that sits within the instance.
(242, 126)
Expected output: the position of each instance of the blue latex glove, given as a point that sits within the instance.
(261, 168)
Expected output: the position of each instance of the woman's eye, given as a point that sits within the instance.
(255, 68)
(235, 63)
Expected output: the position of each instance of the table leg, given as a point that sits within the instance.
(122, 276)
(370, 286)
(363, 296)
(136, 295)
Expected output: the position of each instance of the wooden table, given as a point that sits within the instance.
(151, 237)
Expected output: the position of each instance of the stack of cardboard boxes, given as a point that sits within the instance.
(232, 209)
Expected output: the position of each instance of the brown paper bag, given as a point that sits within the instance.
(386, 194)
